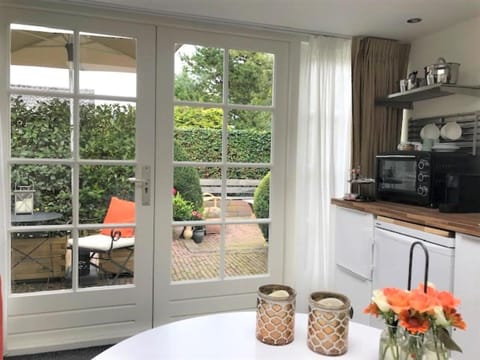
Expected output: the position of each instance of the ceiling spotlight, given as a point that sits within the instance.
(414, 20)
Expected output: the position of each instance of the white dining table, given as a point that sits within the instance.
(232, 336)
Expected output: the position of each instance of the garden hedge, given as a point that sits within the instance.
(40, 128)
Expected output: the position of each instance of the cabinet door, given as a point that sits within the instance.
(467, 289)
(354, 241)
(357, 289)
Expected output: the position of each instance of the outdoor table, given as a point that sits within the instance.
(232, 336)
(35, 218)
(37, 255)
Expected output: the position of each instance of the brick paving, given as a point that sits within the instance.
(188, 265)
(246, 251)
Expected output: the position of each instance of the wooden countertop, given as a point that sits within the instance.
(466, 223)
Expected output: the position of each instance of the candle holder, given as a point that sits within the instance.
(275, 314)
(328, 319)
(24, 197)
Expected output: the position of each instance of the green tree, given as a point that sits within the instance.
(195, 117)
(250, 83)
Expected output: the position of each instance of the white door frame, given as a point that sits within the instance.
(177, 300)
(61, 319)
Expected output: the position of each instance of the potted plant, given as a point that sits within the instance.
(198, 231)
(184, 210)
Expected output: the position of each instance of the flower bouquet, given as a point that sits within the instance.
(417, 321)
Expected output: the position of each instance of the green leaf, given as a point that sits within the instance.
(447, 340)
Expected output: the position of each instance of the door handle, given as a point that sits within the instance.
(137, 181)
(353, 273)
(144, 182)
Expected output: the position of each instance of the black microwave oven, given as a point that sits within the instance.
(462, 193)
(418, 177)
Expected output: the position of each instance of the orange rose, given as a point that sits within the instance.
(421, 302)
(447, 300)
(398, 299)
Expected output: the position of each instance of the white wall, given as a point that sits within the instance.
(458, 43)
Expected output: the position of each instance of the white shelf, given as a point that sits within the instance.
(405, 100)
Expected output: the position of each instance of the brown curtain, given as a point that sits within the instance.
(377, 67)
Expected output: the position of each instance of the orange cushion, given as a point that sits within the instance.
(120, 211)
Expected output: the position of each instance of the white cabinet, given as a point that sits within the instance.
(353, 258)
(467, 289)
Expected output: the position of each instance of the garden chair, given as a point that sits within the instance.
(111, 250)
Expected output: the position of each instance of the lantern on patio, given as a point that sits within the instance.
(24, 199)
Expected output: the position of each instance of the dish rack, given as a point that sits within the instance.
(469, 122)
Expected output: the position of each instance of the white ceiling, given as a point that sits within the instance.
(381, 18)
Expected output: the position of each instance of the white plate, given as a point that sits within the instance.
(451, 131)
(430, 131)
(445, 147)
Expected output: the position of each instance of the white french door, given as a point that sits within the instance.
(80, 133)
(91, 122)
(240, 137)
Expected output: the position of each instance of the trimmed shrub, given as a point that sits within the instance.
(186, 180)
(243, 146)
(41, 129)
(261, 203)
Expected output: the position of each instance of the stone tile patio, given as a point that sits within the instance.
(245, 249)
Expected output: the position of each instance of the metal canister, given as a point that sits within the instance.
(442, 72)
(328, 320)
(275, 314)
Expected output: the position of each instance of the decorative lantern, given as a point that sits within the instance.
(24, 199)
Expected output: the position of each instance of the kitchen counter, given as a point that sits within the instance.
(466, 223)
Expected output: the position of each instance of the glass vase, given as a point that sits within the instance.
(412, 347)
(390, 341)
(434, 348)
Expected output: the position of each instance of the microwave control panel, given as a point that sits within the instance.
(423, 177)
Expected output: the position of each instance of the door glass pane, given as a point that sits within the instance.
(250, 77)
(98, 184)
(107, 130)
(40, 127)
(105, 257)
(249, 136)
(39, 58)
(38, 261)
(107, 65)
(198, 73)
(106, 196)
(41, 194)
(192, 260)
(198, 134)
(246, 251)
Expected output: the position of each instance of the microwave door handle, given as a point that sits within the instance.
(397, 156)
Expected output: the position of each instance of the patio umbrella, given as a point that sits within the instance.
(50, 48)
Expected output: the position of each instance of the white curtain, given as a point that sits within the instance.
(323, 158)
